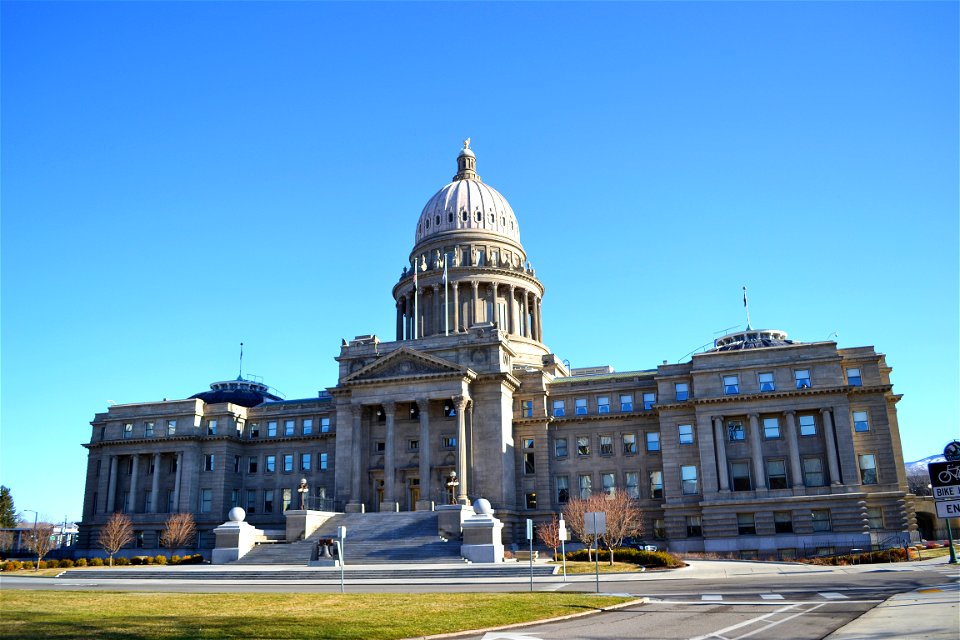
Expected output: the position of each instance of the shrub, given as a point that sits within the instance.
(80, 562)
(96, 562)
(66, 563)
(121, 562)
(635, 556)
(160, 559)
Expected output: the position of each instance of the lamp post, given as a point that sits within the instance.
(303, 490)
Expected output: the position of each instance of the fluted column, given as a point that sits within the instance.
(425, 490)
(721, 439)
(356, 454)
(461, 404)
(474, 302)
(176, 482)
(756, 446)
(436, 327)
(155, 484)
(134, 472)
(833, 464)
(389, 460)
(793, 445)
(512, 320)
(456, 306)
(112, 486)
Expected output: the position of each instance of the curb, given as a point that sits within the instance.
(516, 625)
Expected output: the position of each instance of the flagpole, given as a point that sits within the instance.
(446, 300)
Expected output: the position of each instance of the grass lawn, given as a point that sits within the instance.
(605, 567)
(104, 614)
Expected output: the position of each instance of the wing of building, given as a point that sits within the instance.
(761, 446)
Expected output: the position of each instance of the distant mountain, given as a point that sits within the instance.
(920, 466)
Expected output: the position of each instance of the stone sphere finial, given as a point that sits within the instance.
(237, 514)
(482, 507)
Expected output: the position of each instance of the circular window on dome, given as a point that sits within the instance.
(438, 221)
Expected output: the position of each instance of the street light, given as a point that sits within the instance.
(303, 490)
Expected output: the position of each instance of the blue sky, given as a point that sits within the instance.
(181, 177)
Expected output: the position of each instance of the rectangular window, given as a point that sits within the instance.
(853, 377)
(740, 474)
(603, 404)
(559, 408)
(731, 385)
(766, 382)
(288, 462)
(688, 478)
(771, 428)
(735, 431)
(632, 483)
(580, 406)
(656, 485)
(782, 522)
(307, 426)
(606, 446)
(808, 426)
(531, 500)
(682, 391)
(583, 445)
(694, 527)
(127, 430)
(251, 501)
(526, 408)
(305, 461)
(288, 429)
(211, 427)
(746, 526)
(270, 464)
(287, 497)
(686, 433)
(208, 462)
(171, 427)
(609, 483)
(629, 443)
(206, 500)
(777, 474)
(653, 441)
(586, 486)
(868, 468)
(323, 462)
(560, 446)
(626, 402)
(272, 429)
(821, 520)
(802, 376)
(448, 442)
(254, 429)
(875, 517)
(324, 425)
(252, 464)
(860, 421)
(268, 500)
(813, 472)
(563, 490)
(649, 399)
(148, 429)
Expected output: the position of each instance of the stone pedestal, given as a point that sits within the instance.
(450, 519)
(482, 535)
(302, 522)
(234, 538)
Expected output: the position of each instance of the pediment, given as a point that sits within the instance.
(405, 363)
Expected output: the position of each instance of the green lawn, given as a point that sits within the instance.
(103, 614)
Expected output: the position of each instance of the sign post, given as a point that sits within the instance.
(945, 483)
(530, 538)
(595, 524)
(341, 534)
(563, 547)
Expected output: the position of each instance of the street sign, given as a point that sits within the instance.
(948, 508)
(595, 523)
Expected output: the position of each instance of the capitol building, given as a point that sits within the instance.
(762, 446)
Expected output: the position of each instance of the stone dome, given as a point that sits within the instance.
(467, 204)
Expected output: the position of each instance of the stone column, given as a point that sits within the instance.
(112, 486)
(474, 311)
(389, 460)
(460, 402)
(425, 503)
(796, 468)
(833, 464)
(355, 456)
(437, 324)
(456, 306)
(512, 320)
(155, 485)
(135, 471)
(756, 447)
(400, 319)
(721, 439)
(176, 482)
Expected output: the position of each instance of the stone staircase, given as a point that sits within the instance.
(407, 537)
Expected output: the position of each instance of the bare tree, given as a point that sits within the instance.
(549, 534)
(40, 541)
(178, 531)
(624, 519)
(117, 532)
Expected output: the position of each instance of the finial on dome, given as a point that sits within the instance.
(467, 164)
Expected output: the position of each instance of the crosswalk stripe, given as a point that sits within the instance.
(771, 596)
(832, 595)
(711, 598)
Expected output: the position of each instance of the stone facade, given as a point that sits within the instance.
(761, 445)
